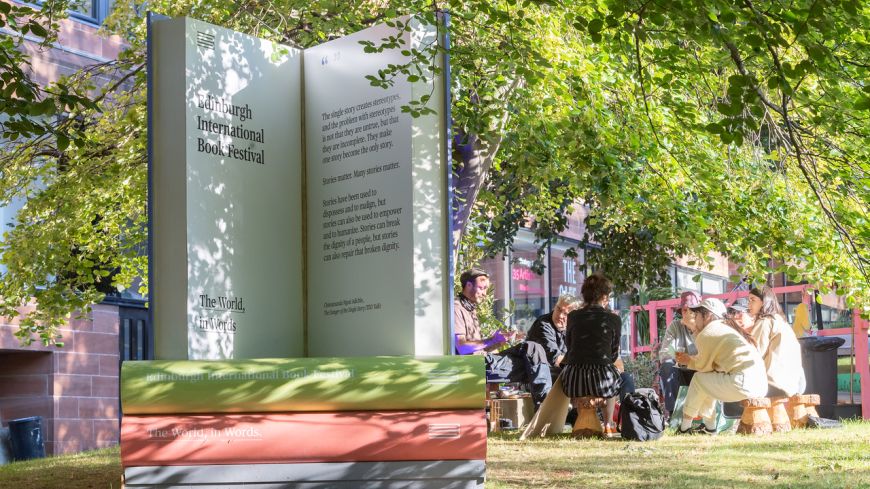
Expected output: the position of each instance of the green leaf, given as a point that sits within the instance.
(817, 52)
(657, 18)
(595, 26)
(862, 103)
(730, 109)
(817, 10)
(62, 142)
(754, 40)
(38, 30)
(713, 128)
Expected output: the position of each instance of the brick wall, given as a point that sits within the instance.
(74, 388)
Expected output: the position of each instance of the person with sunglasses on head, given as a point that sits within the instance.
(678, 338)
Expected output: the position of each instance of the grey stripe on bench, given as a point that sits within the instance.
(417, 484)
(406, 471)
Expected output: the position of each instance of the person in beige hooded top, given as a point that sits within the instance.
(729, 367)
(777, 343)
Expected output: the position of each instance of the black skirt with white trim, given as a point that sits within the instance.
(586, 380)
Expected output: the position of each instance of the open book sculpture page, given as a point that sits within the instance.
(296, 208)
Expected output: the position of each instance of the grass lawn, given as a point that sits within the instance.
(99, 469)
(844, 365)
(830, 459)
(838, 458)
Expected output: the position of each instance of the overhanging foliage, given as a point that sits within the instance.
(710, 125)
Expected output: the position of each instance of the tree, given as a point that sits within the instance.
(44, 130)
(705, 126)
(687, 128)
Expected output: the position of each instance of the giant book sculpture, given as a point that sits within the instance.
(300, 209)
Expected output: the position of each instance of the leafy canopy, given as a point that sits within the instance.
(684, 127)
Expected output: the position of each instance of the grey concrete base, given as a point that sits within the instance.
(450, 474)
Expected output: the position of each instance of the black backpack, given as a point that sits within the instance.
(640, 417)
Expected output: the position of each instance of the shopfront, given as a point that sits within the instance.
(518, 284)
(532, 294)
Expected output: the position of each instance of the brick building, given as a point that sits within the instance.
(73, 388)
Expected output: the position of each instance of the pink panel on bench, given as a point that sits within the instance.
(303, 437)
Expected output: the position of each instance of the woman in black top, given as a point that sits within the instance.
(593, 346)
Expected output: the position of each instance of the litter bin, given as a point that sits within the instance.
(5, 451)
(25, 435)
(820, 367)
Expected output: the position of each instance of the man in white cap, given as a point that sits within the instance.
(728, 367)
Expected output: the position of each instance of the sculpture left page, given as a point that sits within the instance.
(226, 193)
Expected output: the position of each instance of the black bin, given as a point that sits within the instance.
(820, 367)
(25, 435)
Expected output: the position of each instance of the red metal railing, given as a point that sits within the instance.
(859, 330)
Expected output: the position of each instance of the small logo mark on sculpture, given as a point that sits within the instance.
(205, 40)
(444, 431)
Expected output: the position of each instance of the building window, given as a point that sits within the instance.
(566, 273)
(686, 279)
(528, 289)
(90, 11)
(94, 11)
(710, 285)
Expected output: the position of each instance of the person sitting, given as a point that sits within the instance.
(548, 331)
(524, 362)
(728, 367)
(592, 336)
(777, 344)
(678, 338)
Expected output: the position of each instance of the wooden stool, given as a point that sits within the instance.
(811, 402)
(799, 408)
(587, 423)
(778, 414)
(494, 416)
(755, 419)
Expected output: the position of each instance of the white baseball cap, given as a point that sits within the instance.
(713, 305)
